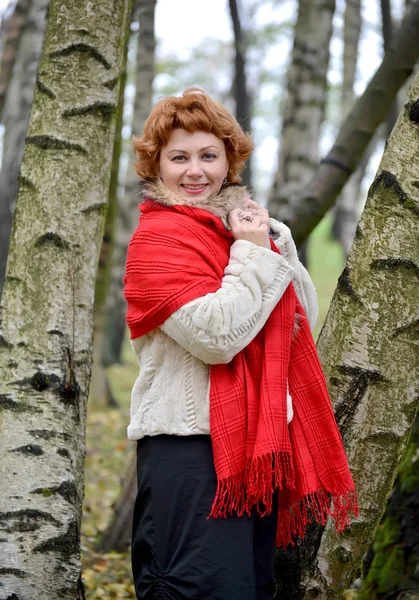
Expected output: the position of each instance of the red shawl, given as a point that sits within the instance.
(178, 254)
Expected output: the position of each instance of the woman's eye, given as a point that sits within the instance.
(178, 158)
(209, 156)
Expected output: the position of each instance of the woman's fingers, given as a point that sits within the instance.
(252, 208)
(247, 225)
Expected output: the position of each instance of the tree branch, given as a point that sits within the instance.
(356, 132)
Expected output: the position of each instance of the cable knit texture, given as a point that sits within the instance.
(174, 359)
(171, 394)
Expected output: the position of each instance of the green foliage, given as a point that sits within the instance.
(325, 264)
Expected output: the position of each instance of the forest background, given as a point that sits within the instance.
(214, 45)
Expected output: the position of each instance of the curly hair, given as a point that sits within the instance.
(193, 111)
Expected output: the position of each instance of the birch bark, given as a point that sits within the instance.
(368, 349)
(47, 303)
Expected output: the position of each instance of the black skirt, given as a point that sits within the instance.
(177, 552)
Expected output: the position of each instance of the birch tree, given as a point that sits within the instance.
(305, 105)
(47, 303)
(367, 349)
(15, 115)
(345, 216)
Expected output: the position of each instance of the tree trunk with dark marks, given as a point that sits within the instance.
(305, 106)
(47, 303)
(240, 87)
(368, 351)
(16, 111)
(369, 111)
(128, 214)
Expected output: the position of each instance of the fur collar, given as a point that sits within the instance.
(230, 196)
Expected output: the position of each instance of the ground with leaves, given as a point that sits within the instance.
(108, 454)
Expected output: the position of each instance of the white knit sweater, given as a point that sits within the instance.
(171, 393)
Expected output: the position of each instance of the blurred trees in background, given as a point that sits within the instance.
(241, 94)
(345, 214)
(23, 31)
(275, 75)
(304, 109)
(118, 534)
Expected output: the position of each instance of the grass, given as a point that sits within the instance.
(326, 262)
(108, 452)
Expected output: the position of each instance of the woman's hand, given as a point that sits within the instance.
(250, 222)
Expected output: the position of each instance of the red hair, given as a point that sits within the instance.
(193, 111)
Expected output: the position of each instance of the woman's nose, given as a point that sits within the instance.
(194, 168)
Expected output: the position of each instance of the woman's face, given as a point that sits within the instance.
(193, 165)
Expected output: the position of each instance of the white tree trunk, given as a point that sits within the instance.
(15, 118)
(368, 348)
(345, 215)
(47, 303)
(305, 104)
(127, 219)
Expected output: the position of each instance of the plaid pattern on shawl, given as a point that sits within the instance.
(179, 253)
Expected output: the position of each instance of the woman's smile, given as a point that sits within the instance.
(194, 189)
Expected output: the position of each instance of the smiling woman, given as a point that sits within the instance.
(193, 112)
(194, 165)
(225, 352)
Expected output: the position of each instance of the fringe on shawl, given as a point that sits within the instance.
(254, 486)
(318, 506)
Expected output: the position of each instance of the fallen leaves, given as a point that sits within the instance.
(108, 454)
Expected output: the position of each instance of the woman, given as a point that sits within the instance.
(237, 444)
